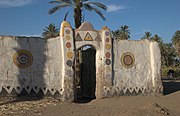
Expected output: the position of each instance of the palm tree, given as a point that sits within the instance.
(147, 35)
(167, 54)
(176, 41)
(176, 37)
(50, 32)
(78, 6)
(157, 39)
(122, 33)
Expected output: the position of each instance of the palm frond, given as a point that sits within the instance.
(59, 1)
(50, 31)
(51, 11)
(98, 4)
(90, 8)
(65, 17)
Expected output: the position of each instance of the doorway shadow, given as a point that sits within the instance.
(170, 86)
(86, 85)
(84, 100)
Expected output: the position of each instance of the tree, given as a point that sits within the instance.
(176, 37)
(147, 35)
(176, 41)
(50, 32)
(157, 38)
(78, 6)
(122, 33)
(168, 54)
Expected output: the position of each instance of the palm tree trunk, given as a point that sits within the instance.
(77, 16)
(77, 20)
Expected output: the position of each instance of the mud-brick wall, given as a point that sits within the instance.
(137, 67)
(30, 64)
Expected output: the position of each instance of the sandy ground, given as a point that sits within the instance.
(168, 104)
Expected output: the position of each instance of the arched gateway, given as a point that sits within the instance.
(101, 42)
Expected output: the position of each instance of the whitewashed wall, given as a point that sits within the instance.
(144, 76)
(52, 65)
(45, 71)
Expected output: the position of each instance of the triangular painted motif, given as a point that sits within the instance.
(78, 37)
(88, 37)
(98, 38)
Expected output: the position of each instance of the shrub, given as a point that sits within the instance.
(165, 70)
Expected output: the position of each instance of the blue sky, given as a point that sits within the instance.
(29, 17)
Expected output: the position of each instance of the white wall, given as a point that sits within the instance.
(144, 75)
(45, 70)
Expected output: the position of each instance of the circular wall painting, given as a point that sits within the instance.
(107, 33)
(68, 37)
(70, 54)
(108, 46)
(107, 39)
(127, 60)
(108, 55)
(69, 63)
(108, 61)
(68, 44)
(23, 59)
(68, 31)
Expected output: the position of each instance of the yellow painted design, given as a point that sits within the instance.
(70, 55)
(68, 37)
(88, 37)
(108, 46)
(63, 25)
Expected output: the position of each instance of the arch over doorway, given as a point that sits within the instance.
(71, 41)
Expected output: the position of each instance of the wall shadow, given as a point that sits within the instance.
(170, 86)
(30, 76)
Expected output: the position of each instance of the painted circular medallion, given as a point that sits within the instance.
(69, 63)
(107, 33)
(108, 46)
(68, 37)
(68, 44)
(70, 54)
(68, 31)
(23, 59)
(127, 60)
(107, 40)
(108, 61)
(108, 55)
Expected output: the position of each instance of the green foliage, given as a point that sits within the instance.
(165, 70)
(147, 35)
(78, 6)
(176, 41)
(50, 32)
(176, 37)
(168, 54)
(122, 33)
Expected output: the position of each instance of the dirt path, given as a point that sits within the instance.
(116, 106)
